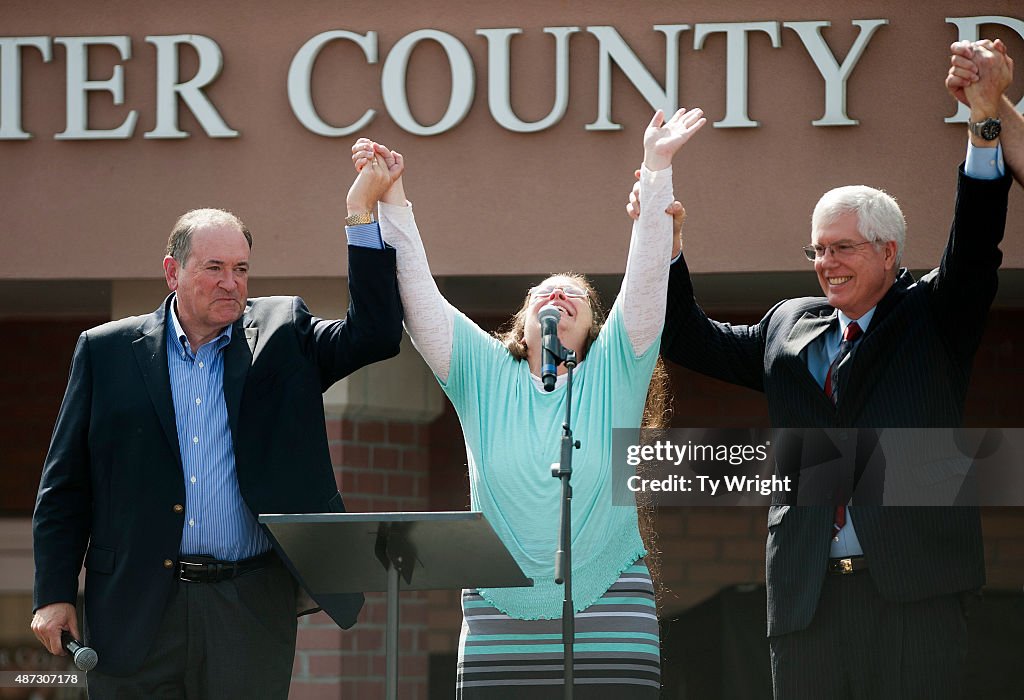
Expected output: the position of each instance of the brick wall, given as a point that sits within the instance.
(382, 467)
(449, 490)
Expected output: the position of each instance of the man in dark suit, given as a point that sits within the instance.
(177, 429)
(865, 601)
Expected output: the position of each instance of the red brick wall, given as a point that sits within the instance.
(449, 490)
(381, 467)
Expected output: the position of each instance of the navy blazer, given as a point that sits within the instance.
(113, 473)
(911, 369)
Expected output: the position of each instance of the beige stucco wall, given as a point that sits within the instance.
(489, 201)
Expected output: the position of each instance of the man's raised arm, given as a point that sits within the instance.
(979, 75)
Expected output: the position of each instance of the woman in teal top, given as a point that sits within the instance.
(511, 637)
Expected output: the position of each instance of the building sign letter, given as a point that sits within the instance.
(10, 82)
(79, 85)
(735, 64)
(835, 75)
(168, 89)
(393, 82)
(614, 48)
(499, 81)
(300, 75)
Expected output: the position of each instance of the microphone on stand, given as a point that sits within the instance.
(551, 346)
(85, 657)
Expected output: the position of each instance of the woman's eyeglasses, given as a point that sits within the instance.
(569, 290)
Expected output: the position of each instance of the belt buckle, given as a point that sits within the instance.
(190, 577)
(208, 572)
(845, 565)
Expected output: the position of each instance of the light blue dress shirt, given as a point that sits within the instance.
(217, 522)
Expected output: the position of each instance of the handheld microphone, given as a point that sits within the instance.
(85, 657)
(551, 346)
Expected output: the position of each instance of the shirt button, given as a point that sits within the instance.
(178, 508)
(168, 564)
(195, 439)
(191, 523)
(198, 400)
(201, 365)
(193, 480)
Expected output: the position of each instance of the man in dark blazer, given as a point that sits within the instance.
(866, 602)
(177, 429)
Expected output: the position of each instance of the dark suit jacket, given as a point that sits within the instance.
(113, 473)
(911, 369)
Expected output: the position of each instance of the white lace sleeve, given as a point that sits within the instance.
(645, 283)
(428, 315)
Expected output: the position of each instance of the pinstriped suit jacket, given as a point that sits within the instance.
(911, 369)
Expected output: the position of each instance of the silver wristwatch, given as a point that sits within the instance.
(987, 129)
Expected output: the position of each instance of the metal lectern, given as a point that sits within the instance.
(333, 553)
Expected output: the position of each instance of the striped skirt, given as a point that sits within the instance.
(617, 655)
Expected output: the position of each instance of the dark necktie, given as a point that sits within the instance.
(850, 336)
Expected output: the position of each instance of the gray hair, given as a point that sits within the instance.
(879, 218)
(179, 243)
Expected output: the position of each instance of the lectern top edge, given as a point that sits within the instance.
(454, 516)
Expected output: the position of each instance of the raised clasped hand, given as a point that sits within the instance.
(995, 73)
(379, 169)
(979, 72)
(366, 152)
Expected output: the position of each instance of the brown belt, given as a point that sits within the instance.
(847, 565)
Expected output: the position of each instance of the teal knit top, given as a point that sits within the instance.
(513, 431)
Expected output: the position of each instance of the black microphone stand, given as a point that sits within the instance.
(563, 557)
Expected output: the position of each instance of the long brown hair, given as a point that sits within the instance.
(657, 409)
(657, 416)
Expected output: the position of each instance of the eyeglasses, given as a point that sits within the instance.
(839, 250)
(569, 290)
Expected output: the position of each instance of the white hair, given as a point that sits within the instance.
(879, 218)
